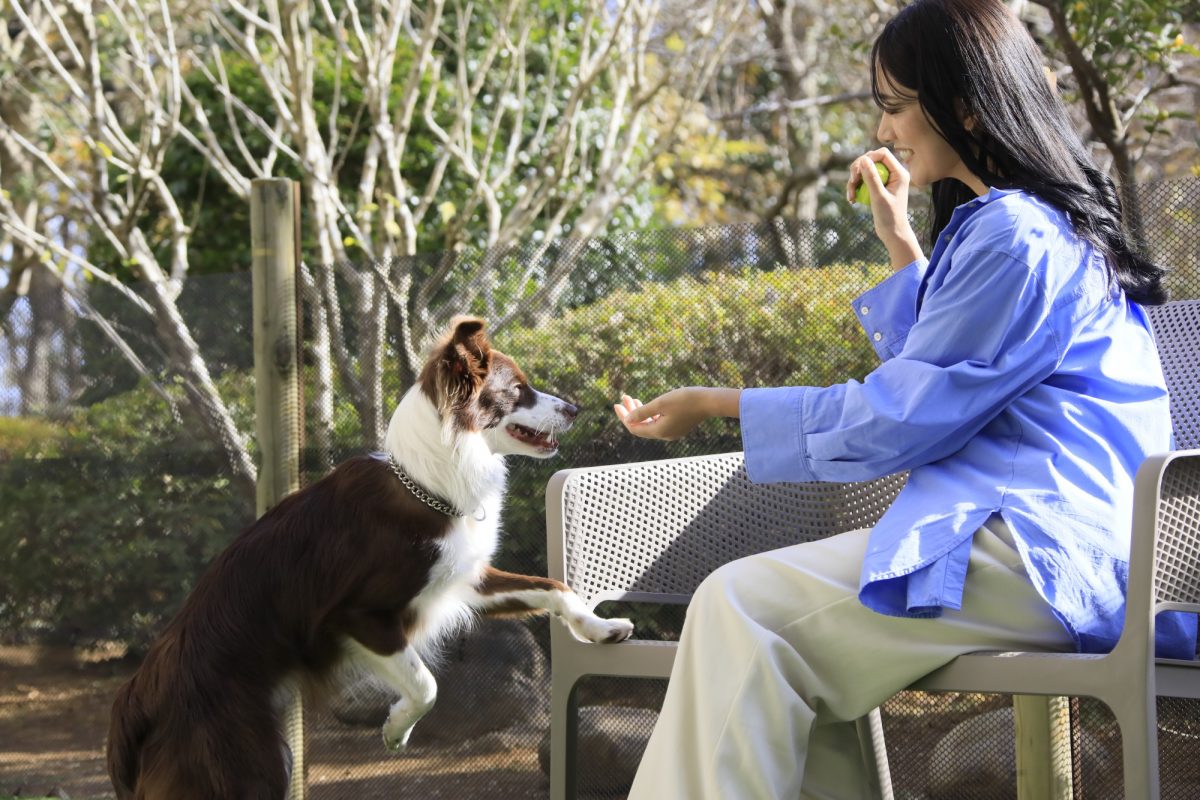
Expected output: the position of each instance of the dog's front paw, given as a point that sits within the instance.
(395, 740)
(606, 631)
(402, 717)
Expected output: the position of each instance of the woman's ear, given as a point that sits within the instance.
(969, 121)
(1051, 79)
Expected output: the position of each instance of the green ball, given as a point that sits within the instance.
(862, 195)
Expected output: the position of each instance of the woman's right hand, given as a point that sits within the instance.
(889, 204)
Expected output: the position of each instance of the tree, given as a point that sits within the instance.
(482, 122)
(1124, 59)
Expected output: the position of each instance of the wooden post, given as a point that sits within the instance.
(275, 247)
(1043, 731)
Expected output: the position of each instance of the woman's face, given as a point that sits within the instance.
(905, 129)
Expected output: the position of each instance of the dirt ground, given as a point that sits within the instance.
(54, 706)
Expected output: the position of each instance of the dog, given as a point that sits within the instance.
(362, 572)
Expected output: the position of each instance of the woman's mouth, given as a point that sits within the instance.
(902, 154)
(541, 440)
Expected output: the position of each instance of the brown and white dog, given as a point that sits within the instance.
(362, 571)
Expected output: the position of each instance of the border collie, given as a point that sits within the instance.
(362, 571)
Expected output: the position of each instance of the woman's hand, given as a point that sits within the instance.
(889, 204)
(676, 413)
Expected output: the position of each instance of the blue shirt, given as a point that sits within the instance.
(1016, 379)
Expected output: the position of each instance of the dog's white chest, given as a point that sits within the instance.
(464, 553)
(471, 543)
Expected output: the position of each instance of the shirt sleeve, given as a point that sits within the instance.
(888, 310)
(983, 337)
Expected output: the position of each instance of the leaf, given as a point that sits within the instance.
(392, 227)
(105, 150)
(447, 211)
(675, 43)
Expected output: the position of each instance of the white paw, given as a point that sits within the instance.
(395, 739)
(598, 629)
(400, 722)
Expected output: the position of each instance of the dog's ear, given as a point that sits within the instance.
(468, 350)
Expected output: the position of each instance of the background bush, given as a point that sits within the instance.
(106, 524)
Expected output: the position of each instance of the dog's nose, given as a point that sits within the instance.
(569, 411)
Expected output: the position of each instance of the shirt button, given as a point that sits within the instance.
(878, 336)
(865, 310)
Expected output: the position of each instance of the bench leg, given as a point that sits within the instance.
(564, 730)
(874, 750)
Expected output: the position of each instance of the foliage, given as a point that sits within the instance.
(26, 437)
(105, 525)
(1123, 38)
(1130, 69)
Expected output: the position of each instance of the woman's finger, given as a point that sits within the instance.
(859, 168)
(896, 170)
(871, 176)
(642, 413)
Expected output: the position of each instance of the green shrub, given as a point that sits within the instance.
(29, 437)
(104, 534)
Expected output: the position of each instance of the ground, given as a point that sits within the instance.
(54, 706)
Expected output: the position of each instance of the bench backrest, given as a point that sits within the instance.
(1176, 328)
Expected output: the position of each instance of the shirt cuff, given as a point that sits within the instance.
(887, 310)
(772, 422)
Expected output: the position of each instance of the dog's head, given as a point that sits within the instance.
(479, 389)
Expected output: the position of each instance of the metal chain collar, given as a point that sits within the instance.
(437, 504)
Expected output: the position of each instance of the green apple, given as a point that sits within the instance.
(863, 195)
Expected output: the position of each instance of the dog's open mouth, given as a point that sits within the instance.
(540, 440)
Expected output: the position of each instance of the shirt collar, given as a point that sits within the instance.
(993, 193)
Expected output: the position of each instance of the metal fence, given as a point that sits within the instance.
(131, 506)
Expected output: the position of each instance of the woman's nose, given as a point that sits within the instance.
(884, 132)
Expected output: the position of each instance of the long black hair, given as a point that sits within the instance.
(973, 59)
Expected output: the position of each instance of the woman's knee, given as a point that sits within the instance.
(735, 586)
(770, 589)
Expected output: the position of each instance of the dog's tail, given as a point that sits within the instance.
(127, 729)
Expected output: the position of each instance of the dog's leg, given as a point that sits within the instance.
(405, 674)
(499, 593)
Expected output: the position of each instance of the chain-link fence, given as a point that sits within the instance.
(114, 493)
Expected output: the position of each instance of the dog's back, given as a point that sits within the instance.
(179, 730)
(127, 730)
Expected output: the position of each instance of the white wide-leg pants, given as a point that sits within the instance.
(778, 657)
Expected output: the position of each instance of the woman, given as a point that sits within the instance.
(1019, 385)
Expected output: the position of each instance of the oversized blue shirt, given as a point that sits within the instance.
(1016, 379)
